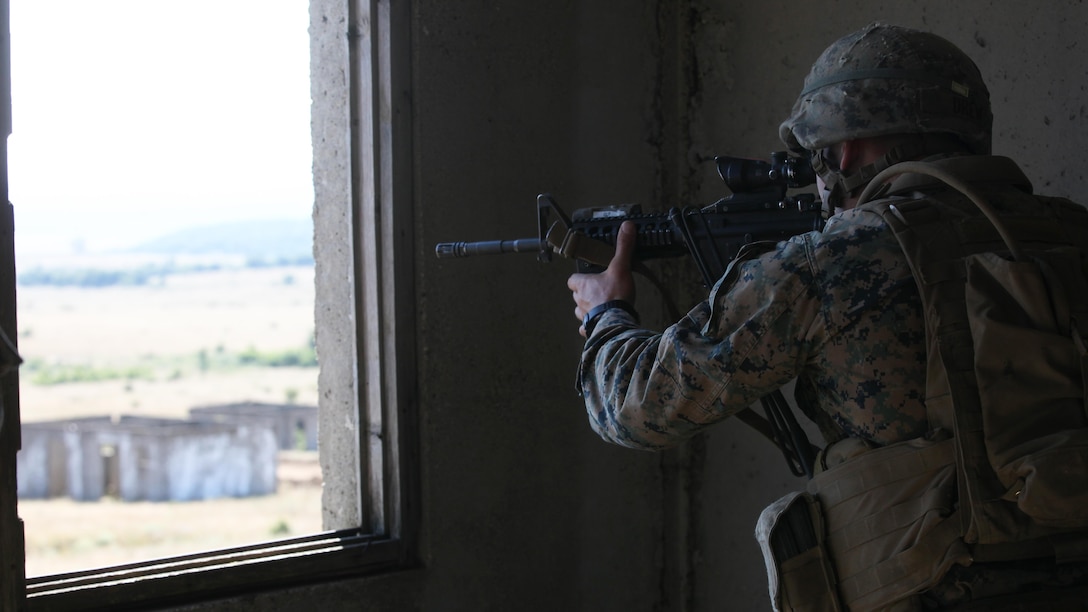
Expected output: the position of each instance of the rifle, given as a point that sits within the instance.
(758, 210)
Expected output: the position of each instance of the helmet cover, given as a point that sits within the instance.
(886, 79)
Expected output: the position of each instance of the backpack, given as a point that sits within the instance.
(1003, 475)
(1006, 301)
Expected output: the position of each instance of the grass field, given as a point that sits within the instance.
(63, 535)
(158, 350)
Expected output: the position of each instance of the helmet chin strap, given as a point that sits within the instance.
(832, 178)
(839, 184)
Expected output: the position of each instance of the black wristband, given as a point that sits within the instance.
(590, 320)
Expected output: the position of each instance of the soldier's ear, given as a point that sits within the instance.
(848, 153)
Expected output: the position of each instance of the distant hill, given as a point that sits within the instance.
(258, 244)
(265, 240)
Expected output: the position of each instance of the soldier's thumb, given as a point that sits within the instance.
(625, 247)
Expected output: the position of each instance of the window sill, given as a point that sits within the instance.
(217, 574)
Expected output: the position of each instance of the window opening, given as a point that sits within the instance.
(377, 531)
(160, 171)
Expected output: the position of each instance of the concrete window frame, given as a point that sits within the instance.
(365, 323)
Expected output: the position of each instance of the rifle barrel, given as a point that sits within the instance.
(447, 250)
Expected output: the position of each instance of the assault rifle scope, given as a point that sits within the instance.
(758, 210)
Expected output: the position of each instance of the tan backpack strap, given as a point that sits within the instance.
(935, 253)
(958, 185)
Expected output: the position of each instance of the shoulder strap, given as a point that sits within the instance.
(935, 256)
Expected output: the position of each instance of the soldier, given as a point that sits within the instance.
(923, 507)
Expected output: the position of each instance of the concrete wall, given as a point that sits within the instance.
(295, 427)
(146, 459)
(522, 507)
(49, 464)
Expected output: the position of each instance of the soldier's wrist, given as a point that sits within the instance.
(595, 313)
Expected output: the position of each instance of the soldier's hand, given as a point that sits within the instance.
(615, 283)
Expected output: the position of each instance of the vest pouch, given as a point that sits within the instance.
(1028, 369)
(800, 577)
(892, 525)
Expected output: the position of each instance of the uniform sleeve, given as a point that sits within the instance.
(653, 391)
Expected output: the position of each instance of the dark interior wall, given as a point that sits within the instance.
(523, 507)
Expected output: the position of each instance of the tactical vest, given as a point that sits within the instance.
(1004, 473)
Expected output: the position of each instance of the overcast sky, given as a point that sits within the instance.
(135, 117)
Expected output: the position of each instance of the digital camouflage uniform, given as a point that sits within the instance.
(839, 310)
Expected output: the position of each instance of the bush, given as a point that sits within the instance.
(290, 358)
(56, 375)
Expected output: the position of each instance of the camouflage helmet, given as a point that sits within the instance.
(886, 79)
